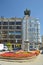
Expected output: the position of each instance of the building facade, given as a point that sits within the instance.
(30, 30)
(42, 40)
(10, 30)
(17, 30)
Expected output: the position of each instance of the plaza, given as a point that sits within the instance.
(36, 61)
(19, 30)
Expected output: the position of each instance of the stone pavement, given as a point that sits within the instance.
(36, 61)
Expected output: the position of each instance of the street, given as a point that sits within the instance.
(36, 61)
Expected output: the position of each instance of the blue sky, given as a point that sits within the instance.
(15, 8)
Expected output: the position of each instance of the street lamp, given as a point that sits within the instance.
(16, 40)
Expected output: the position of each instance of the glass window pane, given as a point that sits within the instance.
(18, 36)
(0, 23)
(11, 27)
(18, 23)
(5, 23)
(11, 23)
(0, 27)
(5, 27)
(18, 27)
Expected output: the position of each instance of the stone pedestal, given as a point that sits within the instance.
(26, 45)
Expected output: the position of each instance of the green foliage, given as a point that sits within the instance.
(9, 45)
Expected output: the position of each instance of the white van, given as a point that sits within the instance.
(2, 47)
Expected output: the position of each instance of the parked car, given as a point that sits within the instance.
(16, 48)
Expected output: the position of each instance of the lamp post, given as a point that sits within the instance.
(16, 40)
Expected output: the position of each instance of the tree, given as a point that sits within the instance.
(9, 45)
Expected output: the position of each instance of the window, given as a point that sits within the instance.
(18, 27)
(0, 23)
(31, 46)
(18, 23)
(5, 27)
(18, 36)
(4, 36)
(11, 23)
(0, 27)
(11, 27)
(18, 31)
(30, 25)
(11, 32)
(30, 29)
(5, 32)
(11, 36)
(5, 23)
(19, 41)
